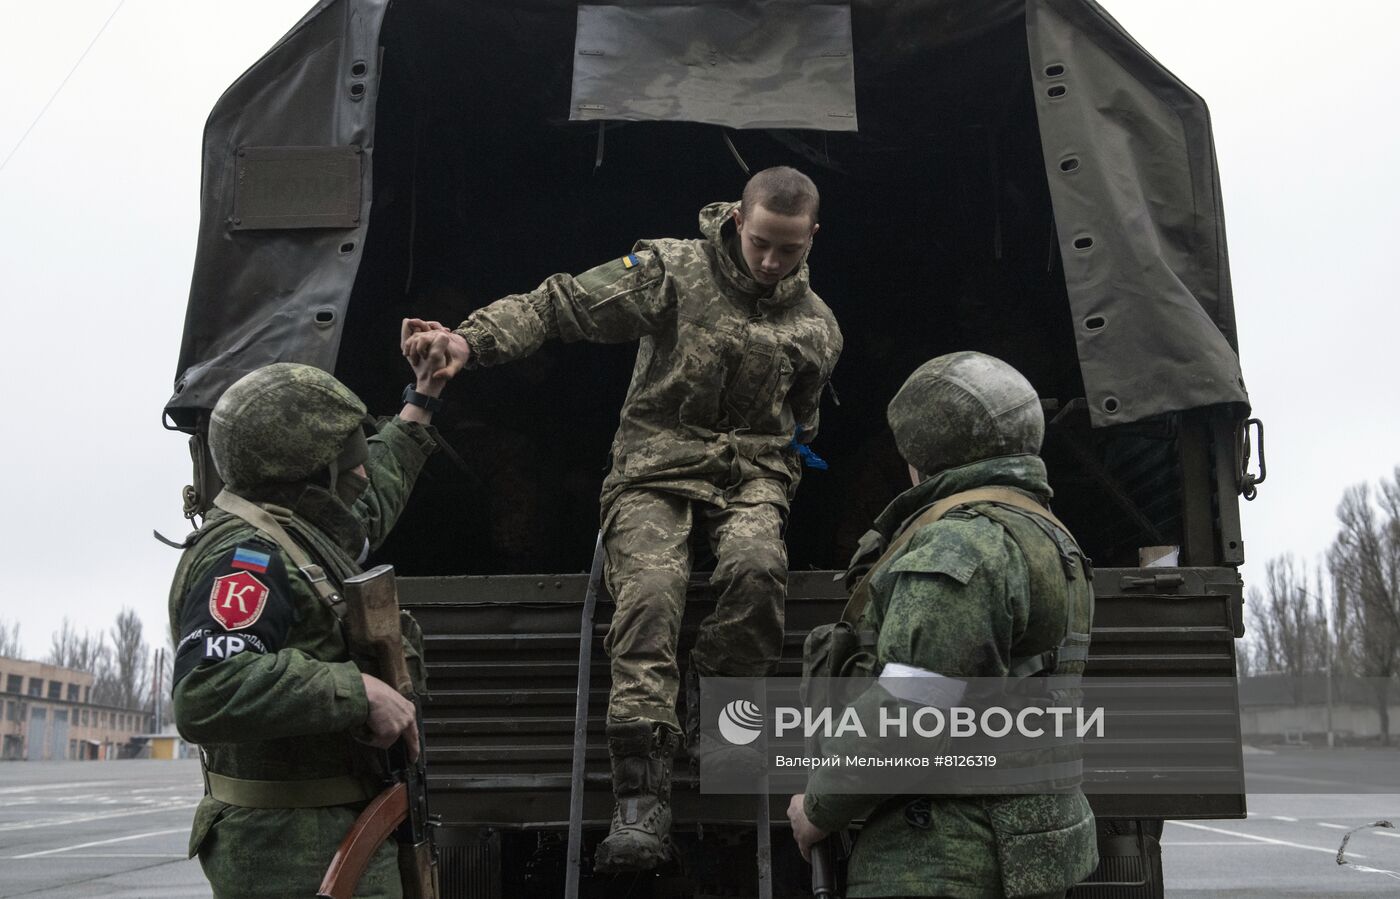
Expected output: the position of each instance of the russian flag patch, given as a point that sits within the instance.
(251, 559)
(630, 261)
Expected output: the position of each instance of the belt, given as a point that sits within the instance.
(319, 792)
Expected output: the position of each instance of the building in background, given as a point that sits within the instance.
(48, 715)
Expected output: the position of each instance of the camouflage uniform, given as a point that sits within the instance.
(727, 372)
(972, 595)
(956, 601)
(274, 696)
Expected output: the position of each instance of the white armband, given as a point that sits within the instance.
(919, 685)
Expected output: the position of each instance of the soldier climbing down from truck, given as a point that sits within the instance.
(735, 350)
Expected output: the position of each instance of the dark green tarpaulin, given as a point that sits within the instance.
(1127, 150)
(1131, 166)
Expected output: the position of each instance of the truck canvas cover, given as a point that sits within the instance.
(293, 204)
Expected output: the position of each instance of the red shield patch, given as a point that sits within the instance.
(237, 600)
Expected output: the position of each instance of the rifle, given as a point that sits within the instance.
(402, 809)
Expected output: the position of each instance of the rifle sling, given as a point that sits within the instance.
(317, 793)
(1005, 496)
(265, 520)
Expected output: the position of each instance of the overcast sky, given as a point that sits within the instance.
(99, 206)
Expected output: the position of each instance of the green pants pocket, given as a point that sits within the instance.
(1045, 843)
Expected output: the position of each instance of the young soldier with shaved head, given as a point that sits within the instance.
(735, 350)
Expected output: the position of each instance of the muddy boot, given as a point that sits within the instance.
(640, 836)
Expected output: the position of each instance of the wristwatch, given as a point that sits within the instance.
(412, 397)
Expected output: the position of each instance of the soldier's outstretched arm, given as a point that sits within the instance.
(398, 451)
(615, 302)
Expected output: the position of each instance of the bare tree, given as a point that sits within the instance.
(162, 677)
(82, 652)
(10, 646)
(130, 673)
(1244, 658)
(1365, 563)
(1289, 623)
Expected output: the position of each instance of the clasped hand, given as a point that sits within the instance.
(435, 352)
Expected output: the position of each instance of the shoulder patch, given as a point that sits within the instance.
(242, 603)
(251, 559)
(618, 276)
(237, 600)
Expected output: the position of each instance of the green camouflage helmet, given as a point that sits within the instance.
(283, 423)
(963, 407)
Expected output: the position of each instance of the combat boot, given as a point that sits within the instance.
(640, 836)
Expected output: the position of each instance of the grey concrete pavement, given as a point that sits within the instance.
(1302, 802)
(117, 830)
(1287, 847)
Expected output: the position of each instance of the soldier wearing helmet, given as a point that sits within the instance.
(263, 677)
(969, 576)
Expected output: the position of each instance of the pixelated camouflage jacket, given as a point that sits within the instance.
(956, 600)
(726, 372)
(285, 704)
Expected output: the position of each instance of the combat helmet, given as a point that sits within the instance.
(284, 423)
(963, 407)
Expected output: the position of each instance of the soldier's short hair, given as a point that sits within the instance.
(782, 189)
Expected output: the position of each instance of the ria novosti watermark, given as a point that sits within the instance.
(1105, 735)
(901, 720)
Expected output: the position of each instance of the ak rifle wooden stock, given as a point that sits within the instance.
(375, 824)
(401, 810)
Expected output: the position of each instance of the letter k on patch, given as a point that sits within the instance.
(237, 600)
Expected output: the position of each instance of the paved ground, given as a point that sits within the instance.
(88, 829)
(1288, 845)
(118, 830)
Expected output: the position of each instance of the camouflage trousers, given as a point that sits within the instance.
(248, 853)
(648, 561)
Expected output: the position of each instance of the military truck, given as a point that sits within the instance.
(1018, 177)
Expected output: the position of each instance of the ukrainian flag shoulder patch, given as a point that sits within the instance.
(630, 261)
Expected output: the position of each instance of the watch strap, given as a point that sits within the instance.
(414, 398)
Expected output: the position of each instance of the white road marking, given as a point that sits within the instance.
(134, 836)
(1250, 836)
(1284, 818)
(181, 856)
(1347, 786)
(71, 785)
(81, 819)
(1208, 843)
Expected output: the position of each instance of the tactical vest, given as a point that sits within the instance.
(1052, 651)
(1049, 659)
